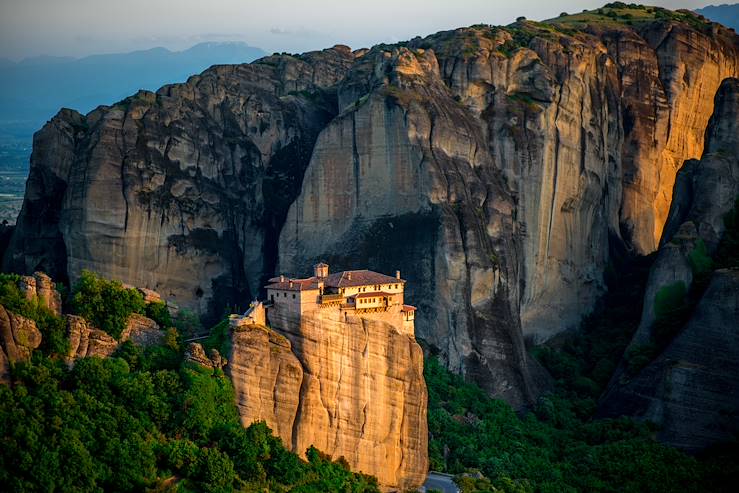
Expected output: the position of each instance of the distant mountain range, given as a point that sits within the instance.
(726, 14)
(34, 89)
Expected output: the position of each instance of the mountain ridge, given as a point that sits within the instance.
(33, 89)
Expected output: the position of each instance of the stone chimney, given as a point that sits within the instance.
(397, 274)
(348, 276)
(291, 284)
(282, 278)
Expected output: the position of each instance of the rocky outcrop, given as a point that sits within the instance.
(42, 290)
(496, 166)
(195, 353)
(690, 390)
(19, 336)
(86, 341)
(690, 387)
(352, 387)
(142, 331)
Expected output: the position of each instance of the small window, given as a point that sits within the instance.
(284, 295)
(293, 295)
(272, 297)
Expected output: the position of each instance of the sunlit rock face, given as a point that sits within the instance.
(497, 168)
(350, 385)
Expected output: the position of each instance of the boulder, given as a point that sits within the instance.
(86, 340)
(196, 354)
(19, 336)
(142, 330)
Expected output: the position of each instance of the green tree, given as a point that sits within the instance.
(105, 303)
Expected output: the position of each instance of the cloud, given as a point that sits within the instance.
(301, 32)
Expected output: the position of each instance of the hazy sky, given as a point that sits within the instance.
(82, 27)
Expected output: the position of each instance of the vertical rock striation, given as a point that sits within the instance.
(167, 191)
(497, 166)
(690, 388)
(352, 387)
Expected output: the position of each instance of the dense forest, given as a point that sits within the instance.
(559, 446)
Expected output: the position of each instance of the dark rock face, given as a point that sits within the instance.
(493, 177)
(691, 388)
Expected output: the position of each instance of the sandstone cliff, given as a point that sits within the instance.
(167, 191)
(496, 166)
(690, 388)
(352, 387)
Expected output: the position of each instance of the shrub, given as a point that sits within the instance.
(672, 309)
(215, 471)
(700, 262)
(669, 298)
(159, 312)
(105, 303)
(187, 323)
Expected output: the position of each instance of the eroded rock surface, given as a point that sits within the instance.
(496, 167)
(86, 340)
(690, 388)
(41, 289)
(182, 191)
(19, 336)
(142, 330)
(350, 386)
(267, 377)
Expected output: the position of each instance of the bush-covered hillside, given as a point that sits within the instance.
(557, 448)
(141, 420)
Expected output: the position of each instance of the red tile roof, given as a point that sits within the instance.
(351, 278)
(408, 308)
(335, 280)
(293, 284)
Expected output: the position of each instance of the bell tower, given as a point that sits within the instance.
(321, 270)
